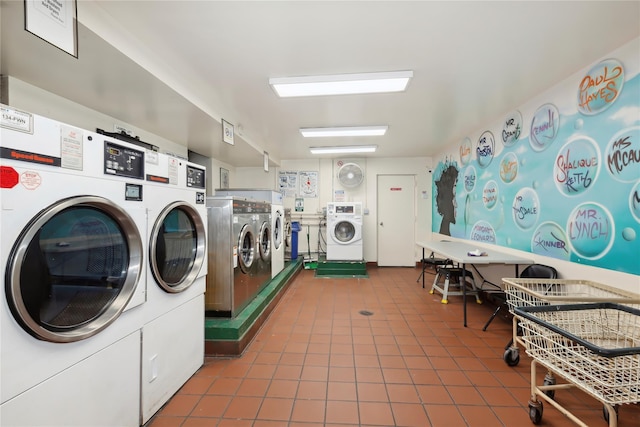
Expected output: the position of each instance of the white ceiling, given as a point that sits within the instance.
(195, 62)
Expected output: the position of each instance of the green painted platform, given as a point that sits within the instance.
(341, 269)
(230, 336)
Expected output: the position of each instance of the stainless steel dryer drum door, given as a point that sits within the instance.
(344, 232)
(264, 242)
(246, 249)
(177, 247)
(73, 269)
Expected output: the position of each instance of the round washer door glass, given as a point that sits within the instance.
(344, 232)
(287, 234)
(277, 231)
(177, 247)
(73, 269)
(246, 249)
(264, 242)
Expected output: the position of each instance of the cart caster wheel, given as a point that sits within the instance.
(550, 380)
(445, 301)
(431, 291)
(605, 413)
(478, 301)
(512, 356)
(535, 411)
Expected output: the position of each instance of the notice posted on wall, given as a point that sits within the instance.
(288, 183)
(308, 184)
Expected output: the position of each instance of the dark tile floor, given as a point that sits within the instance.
(318, 361)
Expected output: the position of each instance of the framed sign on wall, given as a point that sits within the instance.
(227, 132)
(224, 178)
(54, 22)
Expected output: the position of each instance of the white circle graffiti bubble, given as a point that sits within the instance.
(526, 208)
(482, 231)
(590, 230)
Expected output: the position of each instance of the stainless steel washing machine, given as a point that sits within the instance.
(287, 233)
(232, 253)
(262, 271)
(277, 219)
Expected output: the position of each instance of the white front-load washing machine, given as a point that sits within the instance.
(278, 242)
(73, 277)
(344, 231)
(173, 331)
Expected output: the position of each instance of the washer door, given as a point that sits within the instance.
(264, 241)
(287, 235)
(73, 269)
(278, 230)
(344, 232)
(177, 247)
(246, 249)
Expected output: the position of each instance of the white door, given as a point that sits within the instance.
(396, 220)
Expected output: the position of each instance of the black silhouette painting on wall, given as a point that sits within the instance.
(446, 197)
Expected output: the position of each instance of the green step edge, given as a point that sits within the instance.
(342, 269)
(225, 329)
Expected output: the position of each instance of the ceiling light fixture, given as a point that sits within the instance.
(344, 149)
(341, 84)
(343, 131)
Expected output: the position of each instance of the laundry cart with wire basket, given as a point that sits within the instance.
(592, 346)
(522, 292)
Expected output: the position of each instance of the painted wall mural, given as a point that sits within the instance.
(563, 182)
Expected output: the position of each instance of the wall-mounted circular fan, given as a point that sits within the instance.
(350, 175)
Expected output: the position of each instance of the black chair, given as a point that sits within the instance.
(533, 271)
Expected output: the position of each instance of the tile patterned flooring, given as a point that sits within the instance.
(318, 362)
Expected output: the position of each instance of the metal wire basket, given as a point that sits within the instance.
(536, 292)
(543, 292)
(595, 346)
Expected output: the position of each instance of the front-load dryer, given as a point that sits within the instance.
(344, 231)
(73, 277)
(233, 252)
(173, 331)
(278, 242)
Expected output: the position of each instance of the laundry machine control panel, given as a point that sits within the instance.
(342, 208)
(123, 161)
(196, 178)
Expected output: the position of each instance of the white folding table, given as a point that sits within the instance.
(458, 251)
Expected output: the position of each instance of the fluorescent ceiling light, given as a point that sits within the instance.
(341, 84)
(344, 131)
(345, 149)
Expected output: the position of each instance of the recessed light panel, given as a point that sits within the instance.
(344, 149)
(341, 84)
(343, 131)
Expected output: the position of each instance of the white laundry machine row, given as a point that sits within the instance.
(344, 231)
(239, 233)
(278, 235)
(72, 251)
(173, 330)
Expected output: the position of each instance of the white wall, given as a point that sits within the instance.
(311, 218)
(246, 177)
(32, 99)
